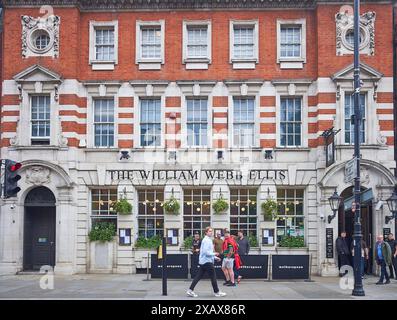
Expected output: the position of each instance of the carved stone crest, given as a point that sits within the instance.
(364, 175)
(38, 175)
(344, 32)
(40, 36)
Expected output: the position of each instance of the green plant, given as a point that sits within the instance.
(220, 205)
(253, 241)
(102, 231)
(292, 242)
(172, 206)
(122, 206)
(269, 209)
(188, 243)
(148, 243)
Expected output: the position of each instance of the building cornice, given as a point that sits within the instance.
(176, 4)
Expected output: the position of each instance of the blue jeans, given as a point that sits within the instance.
(383, 271)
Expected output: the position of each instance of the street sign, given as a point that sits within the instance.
(350, 170)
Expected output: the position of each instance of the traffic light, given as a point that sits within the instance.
(11, 178)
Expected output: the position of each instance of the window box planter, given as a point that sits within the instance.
(102, 256)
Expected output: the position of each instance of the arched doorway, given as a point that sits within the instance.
(346, 220)
(39, 229)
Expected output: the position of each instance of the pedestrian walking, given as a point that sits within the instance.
(206, 265)
(243, 250)
(343, 251)
(196, 244)
(383, 258)
(393, 246)
(229, 251)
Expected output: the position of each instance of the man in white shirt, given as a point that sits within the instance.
(206, 264)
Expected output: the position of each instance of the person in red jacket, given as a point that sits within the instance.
(230, 252)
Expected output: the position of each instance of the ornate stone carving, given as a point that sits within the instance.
(382, 140)
(168, 4)
(33, 27)
(38, 175)
(364, 175)
(344, 26)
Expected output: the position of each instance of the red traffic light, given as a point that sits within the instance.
(16, 166)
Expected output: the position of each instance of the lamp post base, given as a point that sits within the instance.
(359, 292)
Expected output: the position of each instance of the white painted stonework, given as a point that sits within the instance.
(71, 172)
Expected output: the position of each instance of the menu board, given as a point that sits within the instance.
(329, 242)
(268, 237)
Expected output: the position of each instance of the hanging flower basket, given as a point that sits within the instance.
(269, 209)
(172, 206)
(220, 205)
(123, 207)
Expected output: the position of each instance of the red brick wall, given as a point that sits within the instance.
(73, 61)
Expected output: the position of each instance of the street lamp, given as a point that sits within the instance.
(392, 204)
(334, 201)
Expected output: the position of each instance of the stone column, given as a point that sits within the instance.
(11, 236)
(65, 232)
(328, 266)
(125, 260)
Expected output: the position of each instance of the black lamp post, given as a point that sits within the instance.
(334, 201)
(392, 204)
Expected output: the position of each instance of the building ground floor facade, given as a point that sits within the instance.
(49, 222)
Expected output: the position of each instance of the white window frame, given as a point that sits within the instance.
(244, 63)
(201, 23)
(230, 119)
(32, 138)
(137, 107)
(99, 64)
(304, 129)
(301, 123)
(184, 132)
(291, 62)
(351, 143)
(114, 122)
(305, 209)
(149, 63)
(90, 121)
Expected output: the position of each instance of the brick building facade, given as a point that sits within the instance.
(192, 100)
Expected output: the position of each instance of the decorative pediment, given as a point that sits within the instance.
(367, 73)
(38, 74)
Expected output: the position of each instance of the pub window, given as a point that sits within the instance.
(243, 211)
(290, 215)
(196, 211)
(291, 122)
(244, 122)
(150, 122)
(102, 201)
(197, 122)
(349, 111)
(150, 213)
(40, 120)
(104, 122)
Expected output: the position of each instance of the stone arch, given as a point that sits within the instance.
(382, 171)
(37, 173)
